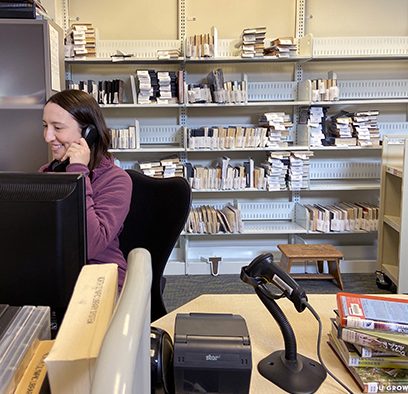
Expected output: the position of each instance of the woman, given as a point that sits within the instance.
(66, 116)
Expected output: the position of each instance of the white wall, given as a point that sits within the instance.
(157, 19)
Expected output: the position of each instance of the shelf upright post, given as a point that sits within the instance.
(184, 242)
(65, 15)
(298, 77)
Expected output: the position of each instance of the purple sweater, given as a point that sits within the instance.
(108, 194)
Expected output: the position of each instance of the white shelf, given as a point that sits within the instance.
(342, 232)
(394, 171)
(346, 184)
(21, 106)
(246, 190)
(393, 221)
(249, 104)
(149, 150)
(265, 149)
(153, 105)
(360, 101)
(260, 228)
(344, 148)
(238, 59)
(391, 271)
(127, 60)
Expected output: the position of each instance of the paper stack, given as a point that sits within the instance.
(253, 42)
(282, 47)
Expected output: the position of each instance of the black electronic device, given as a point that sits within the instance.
(289, 370)
(90, 133)
(212, 354)
(22, 9)
(43, 238)
(161, 362)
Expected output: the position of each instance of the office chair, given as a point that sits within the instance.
(158, 212)
(123, 364)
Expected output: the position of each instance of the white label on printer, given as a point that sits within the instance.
(212, 357)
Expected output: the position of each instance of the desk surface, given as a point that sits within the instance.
(266, 336)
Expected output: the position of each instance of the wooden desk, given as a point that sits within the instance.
(266, 336)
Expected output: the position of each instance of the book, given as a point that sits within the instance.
(395, 342)
(373, 312)
(352, 357)
(377, 380)
(34, 376)
(71, 361)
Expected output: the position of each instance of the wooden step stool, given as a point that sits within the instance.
(317, 253)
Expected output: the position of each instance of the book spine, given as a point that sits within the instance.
(353, 322)
(372, 341)
(386, 387)
(378, 362)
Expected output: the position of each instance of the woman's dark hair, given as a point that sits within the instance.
(86, 111)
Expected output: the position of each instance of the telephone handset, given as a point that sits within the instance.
(90, 134)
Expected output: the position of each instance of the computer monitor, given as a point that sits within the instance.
(42, 238)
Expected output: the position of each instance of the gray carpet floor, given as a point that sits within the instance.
(182, 288)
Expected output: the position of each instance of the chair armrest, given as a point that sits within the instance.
(123, 364)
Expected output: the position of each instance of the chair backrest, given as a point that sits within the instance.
(123, 364)
(158, 212)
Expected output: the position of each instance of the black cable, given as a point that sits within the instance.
(319, 340)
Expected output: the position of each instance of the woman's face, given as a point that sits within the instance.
(60, 129)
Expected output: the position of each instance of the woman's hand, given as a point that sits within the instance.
(78, 153)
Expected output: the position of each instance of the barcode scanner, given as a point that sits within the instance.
(90, 133)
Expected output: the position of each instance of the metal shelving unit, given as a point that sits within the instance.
(336, 173)
(393, 223)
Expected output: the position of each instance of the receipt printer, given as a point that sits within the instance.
(212, 353)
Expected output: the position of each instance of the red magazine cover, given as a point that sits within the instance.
(373, 312)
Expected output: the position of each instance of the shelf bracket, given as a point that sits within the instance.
(214, 264)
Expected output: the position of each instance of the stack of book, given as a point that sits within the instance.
(316, 125)
(365, 125)
(164, 168)
(279, 127)
(342, 217)
(222, 91)
(276, 169)
(201, 45)
(168, 53)
(209, 220)
(222, 175)
(341, 129)
(126, 138)
(21, 329)
(369, 335)
(325, 89)
(299, 170)
(104, 92)
(144, 87)
(167, 87)
(84, 40)
(226, 137)
(198, 93)
(282, 47)
(253, 42)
